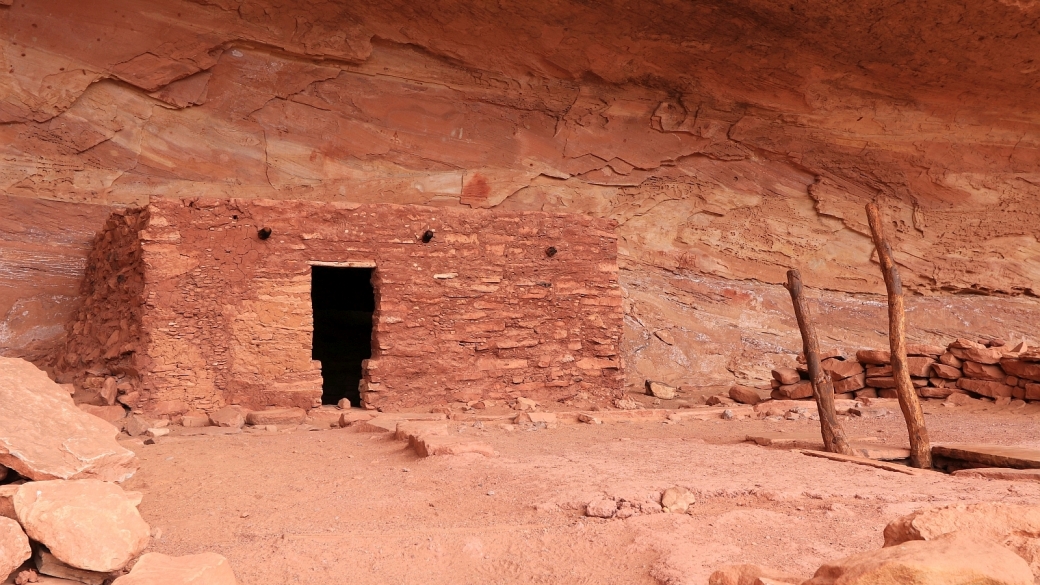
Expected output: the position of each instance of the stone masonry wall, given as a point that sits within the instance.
(104, 335)
(481, 311)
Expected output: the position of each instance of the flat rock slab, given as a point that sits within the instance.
(379, 424)
(387, 423)
(430, 445)
(987, 473)
(863, 446)
(159, 569)
(979, 455)
(798, 440)
(44, 435)
(88, 524)
(410, 430)
(866, 461)
(881, 452)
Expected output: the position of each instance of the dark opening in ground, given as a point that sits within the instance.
(343, 302)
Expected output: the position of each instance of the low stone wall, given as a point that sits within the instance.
(990, 369)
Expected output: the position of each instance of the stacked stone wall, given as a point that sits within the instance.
(104, 336)
(483, 310)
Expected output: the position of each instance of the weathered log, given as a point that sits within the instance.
(920, 447)
(834, 439)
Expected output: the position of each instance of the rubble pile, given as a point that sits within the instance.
(980, 369)
(63, 514)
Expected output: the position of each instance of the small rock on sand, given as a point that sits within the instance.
(677, 499)
(744, 395)
(660, 390)
(228, 417)
(601, 508)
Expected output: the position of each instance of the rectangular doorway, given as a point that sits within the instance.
(343, 302)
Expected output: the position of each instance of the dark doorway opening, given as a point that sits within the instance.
(343, 302)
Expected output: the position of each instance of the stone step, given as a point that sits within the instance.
(981, 455)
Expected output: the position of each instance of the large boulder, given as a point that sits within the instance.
(44, 435)
(952, 559)
(1014, 526)
(14, 547)
(159, 569)
(88, 524)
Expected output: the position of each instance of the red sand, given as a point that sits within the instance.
(341, 506)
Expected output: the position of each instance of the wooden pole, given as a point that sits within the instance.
(920, 447)
(834, 439)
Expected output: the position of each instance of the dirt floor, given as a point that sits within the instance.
(342, 506)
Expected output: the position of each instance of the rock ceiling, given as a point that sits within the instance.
(730, 140)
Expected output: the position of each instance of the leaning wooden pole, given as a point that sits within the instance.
(834, 439)
(920, 447)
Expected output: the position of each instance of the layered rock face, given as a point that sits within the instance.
(730, 140)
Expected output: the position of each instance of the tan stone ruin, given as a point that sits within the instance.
(203, 303)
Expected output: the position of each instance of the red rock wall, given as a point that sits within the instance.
(481, 311)
(729, 140)
(43, 252)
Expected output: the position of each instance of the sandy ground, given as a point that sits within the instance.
(341, 506)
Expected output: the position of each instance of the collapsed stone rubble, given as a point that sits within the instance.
(63, 514)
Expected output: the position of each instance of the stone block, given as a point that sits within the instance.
(795, 391)
(1021, 369)
(744, 395)
(875, 357)
(660, 390)
(850, 384)
(841, 369)
(920, 367)
(786, 376)
(979, 371)
(985, 388)
(947, 372)
(195, 420)
(228, 417)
